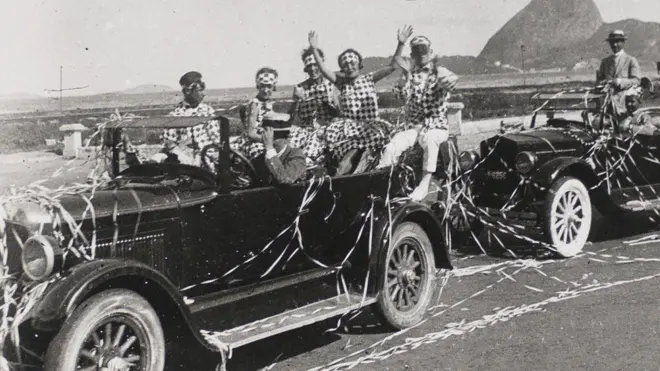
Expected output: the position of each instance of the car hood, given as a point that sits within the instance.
(545, 141)
(105, 202)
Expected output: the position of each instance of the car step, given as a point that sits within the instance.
(638, 205)
(290, 320)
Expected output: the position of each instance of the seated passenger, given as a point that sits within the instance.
(637, 122)
(425, 88)
(250, 142)
(192, 140)
(359, 126)
(313, 108)
(281, 163)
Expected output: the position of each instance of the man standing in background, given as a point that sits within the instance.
(620, 70)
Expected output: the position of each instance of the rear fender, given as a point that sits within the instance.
(90, 278)
(408, 212)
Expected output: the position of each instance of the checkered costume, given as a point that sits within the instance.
(243, 143)
(312, 109)
(425, 119)
(359, 126)
(425, 98)
(200, 135)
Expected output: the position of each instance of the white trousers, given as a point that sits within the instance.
(430, 141)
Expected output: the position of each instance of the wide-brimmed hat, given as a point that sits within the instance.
(617, 35)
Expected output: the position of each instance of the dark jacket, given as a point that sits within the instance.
(287, 168)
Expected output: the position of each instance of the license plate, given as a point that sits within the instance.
(499, 175)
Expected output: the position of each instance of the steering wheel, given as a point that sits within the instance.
(242, 171)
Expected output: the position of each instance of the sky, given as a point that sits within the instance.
(112, 45)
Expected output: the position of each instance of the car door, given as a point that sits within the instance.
(332, 219)
(237, 238)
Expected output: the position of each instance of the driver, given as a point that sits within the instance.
(635, 121)
(281, 163)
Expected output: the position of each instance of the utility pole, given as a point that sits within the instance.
(522, 59)
(60, 90)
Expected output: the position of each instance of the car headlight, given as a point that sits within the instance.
(41, 255)
(467, 159)
(525, 162)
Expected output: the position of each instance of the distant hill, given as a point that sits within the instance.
(557, 35)
(148, 88)
(566, 34)
(543, 27)
(643, 43)
(13, 96)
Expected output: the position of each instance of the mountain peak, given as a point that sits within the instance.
(541, 28)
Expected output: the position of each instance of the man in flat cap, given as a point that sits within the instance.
(425, 87)
(620, 70)
(178, 141)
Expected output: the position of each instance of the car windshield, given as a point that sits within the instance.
(142, 155)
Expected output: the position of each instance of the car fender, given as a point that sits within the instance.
(549, 172)
(406, 212)
(86, 279)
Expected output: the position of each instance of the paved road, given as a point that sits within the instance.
(598, 311)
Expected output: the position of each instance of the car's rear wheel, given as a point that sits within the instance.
(116, 329)
(407, 280)
(568, 216)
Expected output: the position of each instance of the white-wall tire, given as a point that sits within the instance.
(568, 216)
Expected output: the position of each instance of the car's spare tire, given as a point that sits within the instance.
(568, 216)
(111, 329)
(406, 280)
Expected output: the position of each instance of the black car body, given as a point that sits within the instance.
(172, 251)
(526, 178)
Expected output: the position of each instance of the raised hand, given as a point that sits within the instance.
(404, 34)
(313, 39)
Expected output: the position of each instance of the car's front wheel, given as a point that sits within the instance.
(407, 279)
(568, 216)
(115, 330)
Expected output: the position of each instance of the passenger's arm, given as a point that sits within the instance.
(314, 44)
(402, 36)
(253, 114)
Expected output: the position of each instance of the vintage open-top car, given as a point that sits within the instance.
(550, 178)
(170, 251)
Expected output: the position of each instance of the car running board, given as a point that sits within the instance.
(286, 321)
(638, 205)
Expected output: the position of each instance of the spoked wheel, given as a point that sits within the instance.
(568, 216)
(113, 330)
(117, 342)
(407, 279)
